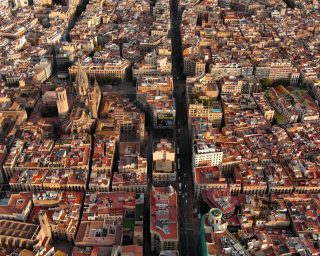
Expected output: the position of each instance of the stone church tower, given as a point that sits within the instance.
(62, 102)
(94, 98)
(81, 82)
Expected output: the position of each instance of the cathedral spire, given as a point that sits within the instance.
(95, 84)
(81, 81)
